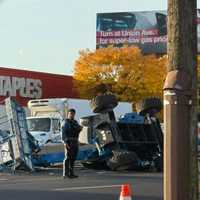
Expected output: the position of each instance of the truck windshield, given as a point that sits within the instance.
(39, 124)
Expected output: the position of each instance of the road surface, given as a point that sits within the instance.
(91, 184)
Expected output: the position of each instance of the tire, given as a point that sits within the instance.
(103, 103)
(123, 160)
(94, 161)
(149, 106)
(95, 164)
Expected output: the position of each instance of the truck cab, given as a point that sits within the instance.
(44, 124)
(44, 129)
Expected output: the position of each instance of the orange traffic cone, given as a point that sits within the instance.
(125, 192)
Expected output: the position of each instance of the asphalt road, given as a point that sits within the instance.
(91, 184)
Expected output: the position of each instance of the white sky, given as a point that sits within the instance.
(46, 35)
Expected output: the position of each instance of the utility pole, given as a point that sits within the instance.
(180, 103)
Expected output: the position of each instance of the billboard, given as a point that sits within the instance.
(25, 85)
(147, 30)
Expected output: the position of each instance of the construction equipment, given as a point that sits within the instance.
(135, 141)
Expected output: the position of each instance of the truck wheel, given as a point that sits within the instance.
(103, 103)
(123, 160)
(95, 164)
(149, 105)
(94, 161)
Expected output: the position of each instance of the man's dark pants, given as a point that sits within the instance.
(70, 157)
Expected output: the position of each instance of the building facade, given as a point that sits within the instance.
(25, 85)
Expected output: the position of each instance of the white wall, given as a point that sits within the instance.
(83, 109)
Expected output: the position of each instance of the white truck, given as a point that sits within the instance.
(44, 124)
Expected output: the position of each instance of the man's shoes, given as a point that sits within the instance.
(72, 176)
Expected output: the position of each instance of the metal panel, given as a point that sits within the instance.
(19, 131)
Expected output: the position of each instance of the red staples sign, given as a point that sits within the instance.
(25, 85)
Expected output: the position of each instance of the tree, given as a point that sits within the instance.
(129, 74)
(180, 110)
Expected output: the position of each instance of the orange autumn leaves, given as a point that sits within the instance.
(129, 74)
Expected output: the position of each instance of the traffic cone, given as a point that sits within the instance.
(125, 192)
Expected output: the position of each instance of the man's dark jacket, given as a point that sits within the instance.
(70, 130)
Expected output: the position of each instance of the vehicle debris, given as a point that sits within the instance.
(134, 141)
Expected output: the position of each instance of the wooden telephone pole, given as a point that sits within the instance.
(180, 103)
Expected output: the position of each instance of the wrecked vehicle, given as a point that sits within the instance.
(19, 149)
(134, 141)
(46, 115)
(16, 145)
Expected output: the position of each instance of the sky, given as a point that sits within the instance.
(47, 35)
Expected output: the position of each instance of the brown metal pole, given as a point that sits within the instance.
(180, 112)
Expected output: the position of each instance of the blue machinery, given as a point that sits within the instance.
(18, 149)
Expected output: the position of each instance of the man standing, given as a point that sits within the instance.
(70, 134)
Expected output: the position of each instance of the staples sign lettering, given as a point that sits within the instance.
(24, 87)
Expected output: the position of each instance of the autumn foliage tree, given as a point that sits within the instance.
(129, 74)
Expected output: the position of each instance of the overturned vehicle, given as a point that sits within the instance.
(134, 141)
